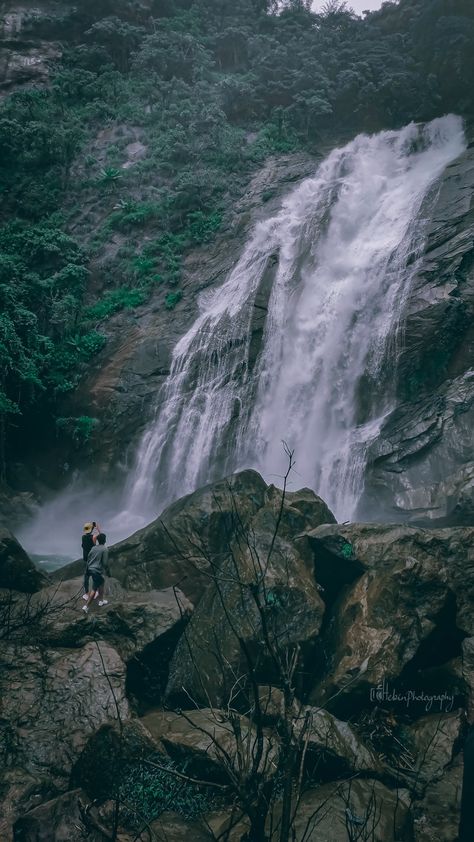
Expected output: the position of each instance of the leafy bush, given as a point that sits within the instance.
(122, 298)
(172, 299)
(79, 429)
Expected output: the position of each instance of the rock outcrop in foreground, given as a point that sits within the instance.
(242, 629)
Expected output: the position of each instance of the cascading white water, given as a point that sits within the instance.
(347, 240)
(339, 258)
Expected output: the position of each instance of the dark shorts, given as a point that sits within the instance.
(97, 581)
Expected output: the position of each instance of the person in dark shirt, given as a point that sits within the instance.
(89, 537)
(97, 568)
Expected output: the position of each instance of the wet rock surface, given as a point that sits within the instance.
(51, 702)
(180, 547)
(62, 819)
(421, 465)
(331, 813)
(206, 740)
(17, 571)
(27, 53)
(228, 617)
(409, 610)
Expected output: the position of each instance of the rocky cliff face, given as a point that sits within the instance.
(378, 621)
(25, 58)
(422, 465)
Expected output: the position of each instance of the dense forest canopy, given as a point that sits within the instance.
(214, 88)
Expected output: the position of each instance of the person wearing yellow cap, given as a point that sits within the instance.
(89, 535)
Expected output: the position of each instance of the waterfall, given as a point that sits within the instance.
(299, 344)
(345, 246)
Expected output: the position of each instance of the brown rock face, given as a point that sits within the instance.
(130, 622)
(205, 740)
(373, 612)
(410, 609)
(437, 815)
(338, 812)
(17, 571)
(51, 703)
(332, 741)
(421, 466)
(228, 627)
(62, 819)
(181, 546)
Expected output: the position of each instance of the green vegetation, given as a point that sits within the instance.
(208, 93)
(147, 789)
(79, 429)
(122, 298)
(172, 299)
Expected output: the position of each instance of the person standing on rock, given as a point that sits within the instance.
(97, 568)
(89, 536)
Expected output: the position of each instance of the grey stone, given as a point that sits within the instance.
(402, 591)
(436, 816)
(330, 812)
(213, 743)
(62, 819)
(210, 657)
(421, 465)
(130, 622)
(17, 571)
(52, 701)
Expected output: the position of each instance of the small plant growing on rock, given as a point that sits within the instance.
(172, 299)
(109, 176)
(79, 429)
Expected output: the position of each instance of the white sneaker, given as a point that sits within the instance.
(85, 608)
(85, 595)
(103, 602)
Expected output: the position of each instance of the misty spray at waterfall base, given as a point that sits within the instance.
(298, 345)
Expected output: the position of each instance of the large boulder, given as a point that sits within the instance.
(408, 607)
(17, 571)
(435, 739)
(171, 827)
(212, 744)
(192, 535)
(263, 597)
(110, 754)
(437, 815)
(178, 547)
(358, 809)
(130, 622)
(51, 701)
(63, 819)
(334, 749)
(428, 749)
